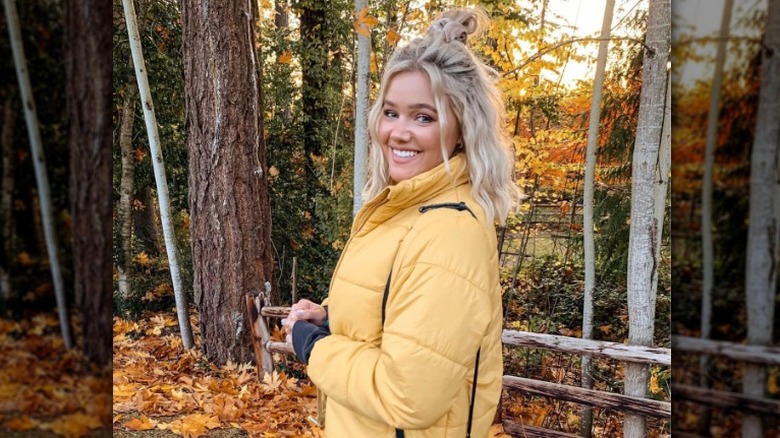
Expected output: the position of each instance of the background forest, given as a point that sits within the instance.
(307, 73)
(307, 58)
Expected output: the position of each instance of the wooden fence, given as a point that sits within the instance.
(258, 309)
(756, 354)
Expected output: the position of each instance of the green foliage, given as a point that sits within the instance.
(159, 24)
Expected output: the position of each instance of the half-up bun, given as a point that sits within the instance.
(458, 24)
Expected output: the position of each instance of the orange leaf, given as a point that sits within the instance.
(285, 57)
(141, 423)
(392, 37)
(21, 423)
(194, 425)
(73, 425)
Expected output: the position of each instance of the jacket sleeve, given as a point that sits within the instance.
(437, 315)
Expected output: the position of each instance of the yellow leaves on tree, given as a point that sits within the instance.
(364, 22)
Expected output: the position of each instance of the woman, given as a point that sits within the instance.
(414, 310)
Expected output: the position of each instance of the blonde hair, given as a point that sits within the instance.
(470, 87)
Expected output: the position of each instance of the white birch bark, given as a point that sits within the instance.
(361, 115)
(182, 311)
(39, 164)
(6, 198)
(706, 203)
(642, 249)
(761, 267)
(125, 214)
(587, 217)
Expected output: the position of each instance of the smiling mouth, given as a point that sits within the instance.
(404, 154)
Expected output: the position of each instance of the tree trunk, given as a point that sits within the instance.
(760, 271)
(706, 208)
(642, 250)
(6, 199)
(88, 69)
(126, 194)
(39, 164)
(145, 229)
(228, 190)
(587, 217)
(158, 164)
(361, 115)
(315, 111)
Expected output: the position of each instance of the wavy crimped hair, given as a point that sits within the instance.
(469, 85)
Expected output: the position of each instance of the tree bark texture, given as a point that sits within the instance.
(761, 265)
(642, 259)
(126, 186)
(88, 69)
(6, 198)
(228, 192)
(361, 115)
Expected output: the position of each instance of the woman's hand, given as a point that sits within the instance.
(303, 310)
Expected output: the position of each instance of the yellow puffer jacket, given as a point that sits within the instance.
(444, 304)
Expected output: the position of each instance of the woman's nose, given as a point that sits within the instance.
(400, 133)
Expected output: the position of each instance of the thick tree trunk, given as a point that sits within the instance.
(588, 233)
(88, 68)
(6, 198)
(228, 195)
(642, 251)
(762, 251)
(126, 194)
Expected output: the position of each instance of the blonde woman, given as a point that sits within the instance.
(409, 343)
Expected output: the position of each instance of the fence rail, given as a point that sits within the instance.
(732, 350)
(589, 347)
(258, 310)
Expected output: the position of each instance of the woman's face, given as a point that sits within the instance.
(410, 129)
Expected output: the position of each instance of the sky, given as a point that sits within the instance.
(586, 16)
(701, 18)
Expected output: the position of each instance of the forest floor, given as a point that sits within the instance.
(46, 391)
(163, 390)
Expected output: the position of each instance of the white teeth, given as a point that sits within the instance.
(404, 154)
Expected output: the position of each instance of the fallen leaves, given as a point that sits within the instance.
(158, 385)
(45, 387)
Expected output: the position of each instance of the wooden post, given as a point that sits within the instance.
(260, 335)
(295, 280)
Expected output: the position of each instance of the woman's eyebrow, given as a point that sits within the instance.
(414, 106)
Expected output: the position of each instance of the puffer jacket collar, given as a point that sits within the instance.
(409, 193)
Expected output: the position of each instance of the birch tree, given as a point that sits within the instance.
(182, 309)
(706, 205)
(39, 164)
(361, 111)
(643, 241)
(761, 265)
(590, 172)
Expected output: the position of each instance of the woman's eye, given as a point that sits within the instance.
(390, 113)
(422, 118)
